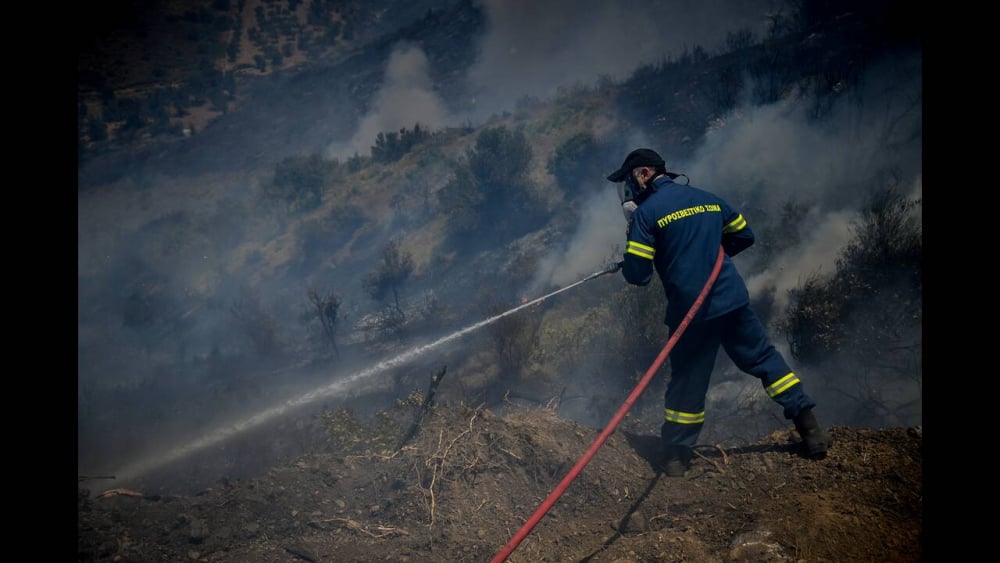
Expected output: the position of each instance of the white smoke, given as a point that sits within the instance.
(830, 161)
(822, 240)
(406, 98)
(534, 48)
(602, 229)
(772, 154)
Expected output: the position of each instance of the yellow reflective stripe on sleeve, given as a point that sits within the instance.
(781, 385)
(640, 250)
(685, 417)
(737, 224)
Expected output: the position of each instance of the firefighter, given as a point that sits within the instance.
(677, 229)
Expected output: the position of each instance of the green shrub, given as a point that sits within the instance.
(577, 159)
(490, 190)
(299, 181)
(391, 146)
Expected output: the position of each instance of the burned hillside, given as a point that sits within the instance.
(461, 487)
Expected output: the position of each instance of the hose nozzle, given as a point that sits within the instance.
(614, 267)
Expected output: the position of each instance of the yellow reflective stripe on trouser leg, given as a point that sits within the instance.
(685, 417)
(781, 385)
(640, 250)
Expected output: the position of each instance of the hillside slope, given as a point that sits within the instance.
(470, 478)
(194, 272)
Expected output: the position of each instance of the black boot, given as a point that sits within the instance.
(676, 460)
(815, 440)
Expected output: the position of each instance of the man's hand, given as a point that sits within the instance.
(614, 267)
(628, 208)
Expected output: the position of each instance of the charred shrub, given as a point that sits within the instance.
(259, 326)
(512, 337)
(873, 301)
(637, 333)
(389, 276)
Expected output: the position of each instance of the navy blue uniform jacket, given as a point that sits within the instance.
(677, 230)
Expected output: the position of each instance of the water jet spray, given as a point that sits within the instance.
(340, 386)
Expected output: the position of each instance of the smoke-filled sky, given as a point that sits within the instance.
(535, 48)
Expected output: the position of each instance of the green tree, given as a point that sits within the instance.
(299, 181)
(461, 199)
(391, 146)
(490, 189)
(500, 161)
(577, 159)
(740, 39)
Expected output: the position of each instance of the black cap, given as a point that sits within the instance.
(638, 157)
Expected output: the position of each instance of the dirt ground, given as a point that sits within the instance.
(460, 485)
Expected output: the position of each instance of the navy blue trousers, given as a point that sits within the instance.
(742, 336)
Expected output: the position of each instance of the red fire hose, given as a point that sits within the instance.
(564, 484)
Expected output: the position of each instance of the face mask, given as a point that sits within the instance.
(630, 189)
(624, 192)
